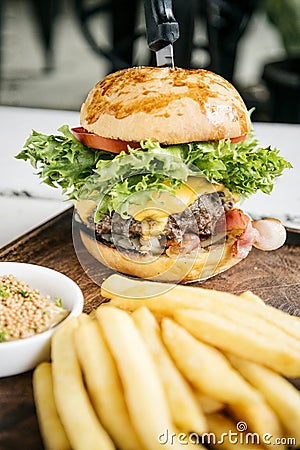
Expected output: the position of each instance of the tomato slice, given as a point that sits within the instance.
(116, 145)
(238, 139)
(102, 143)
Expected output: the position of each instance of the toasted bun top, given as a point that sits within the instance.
(166, 105)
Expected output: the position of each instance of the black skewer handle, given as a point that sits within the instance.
(162, 28)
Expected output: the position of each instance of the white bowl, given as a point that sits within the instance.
(25, 354)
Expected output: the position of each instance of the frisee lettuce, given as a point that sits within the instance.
(61, 160)
(243, 168)
(116, 182)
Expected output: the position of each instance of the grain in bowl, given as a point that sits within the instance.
(18, 354)
(25, 311)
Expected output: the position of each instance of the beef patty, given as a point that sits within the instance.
(200, 218)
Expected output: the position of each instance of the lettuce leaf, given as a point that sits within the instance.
(61, 161)
(133, 179)
(116, 182)
(243, 168)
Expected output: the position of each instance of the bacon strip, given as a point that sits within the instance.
(236, 220)
(240, 223)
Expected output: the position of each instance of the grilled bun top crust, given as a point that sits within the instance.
(170, 106)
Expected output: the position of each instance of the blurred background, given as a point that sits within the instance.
(53, 51)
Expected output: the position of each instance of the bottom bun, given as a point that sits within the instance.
(199, 265)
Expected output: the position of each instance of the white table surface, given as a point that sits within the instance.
(26, 203)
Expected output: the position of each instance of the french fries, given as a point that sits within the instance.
(52, 431)
(185, 410)
(166, 304)
(130, 294)
(203, 366)
(260, 419)
(281, 395)
(248, 295)
(143, 390)
(121, 286)
(225, 434)
(230, 336)
(104, 385)
(162, 366)
(209, 405)
(78, 417)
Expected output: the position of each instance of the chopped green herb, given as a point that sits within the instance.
(23, 293)
(2, 334)
(58, 301)
(3, 291)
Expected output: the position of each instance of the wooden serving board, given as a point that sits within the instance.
(274, 276)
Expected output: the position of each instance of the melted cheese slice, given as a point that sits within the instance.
(165, 204)
(84, 208)
(157, 211)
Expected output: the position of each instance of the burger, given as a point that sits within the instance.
(157, 168)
